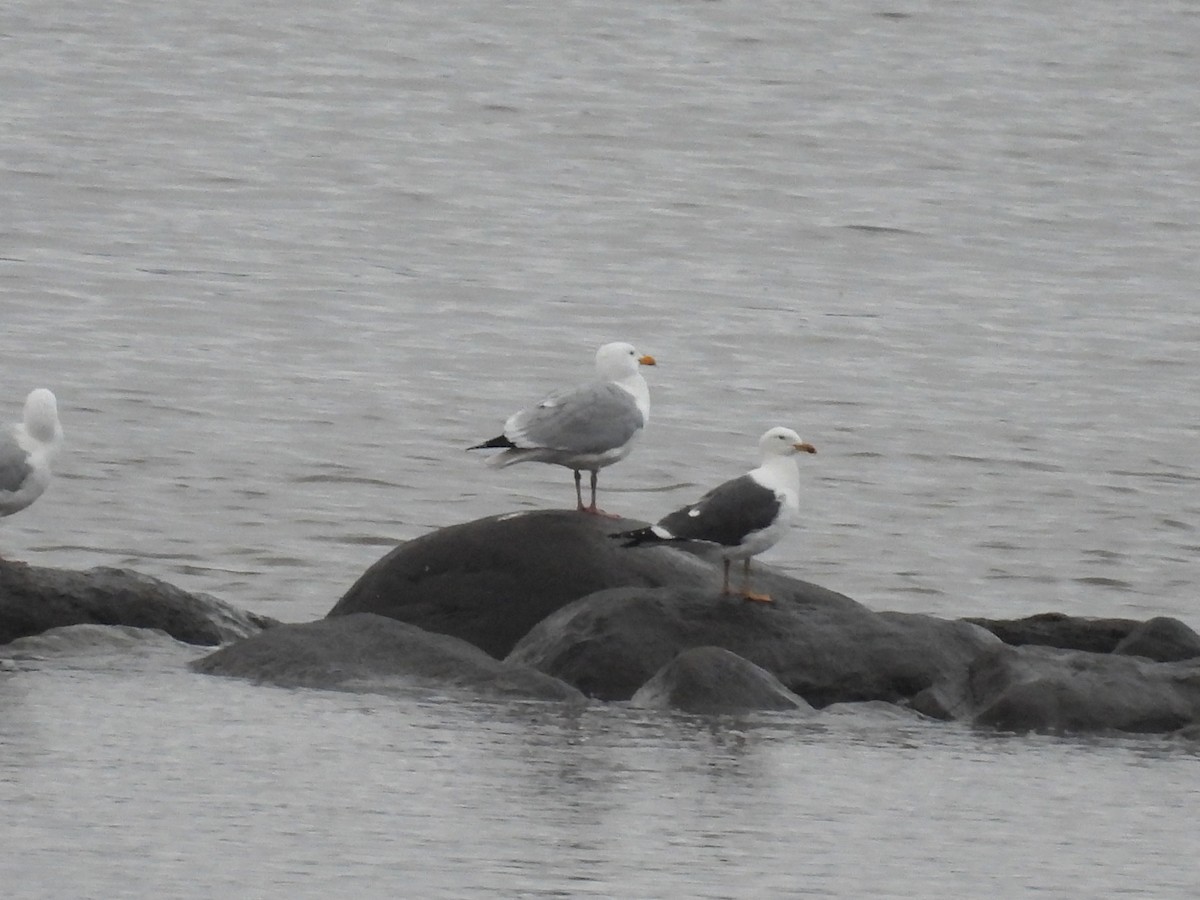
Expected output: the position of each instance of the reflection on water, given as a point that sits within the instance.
(189, 784)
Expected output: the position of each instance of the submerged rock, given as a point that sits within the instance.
(1046, 689)
(82, 641)
(819, 644)
(1190, 733)
(710, 680)
(34, 599)
(368, 652)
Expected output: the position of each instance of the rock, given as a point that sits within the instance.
(819, 644)
(367, 652)
(76, 642)
(1162, 639)
(491, 580)
(1059, 630)
(876, 713)
(34, 599)
(1046, 689)
(710, 680)
(1189, 733)
(551, 590)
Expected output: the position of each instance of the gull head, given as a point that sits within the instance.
(780, 441)
(41, 417)
(619, 360)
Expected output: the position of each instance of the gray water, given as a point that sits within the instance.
(281, 262)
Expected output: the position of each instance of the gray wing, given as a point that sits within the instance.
(726, 514)
(593, 418)
(14, 463)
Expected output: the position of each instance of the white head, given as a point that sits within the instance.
(781, 441)
(619, 360)
(41, 417)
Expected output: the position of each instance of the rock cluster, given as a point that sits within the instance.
(551, 591)
(546, 605)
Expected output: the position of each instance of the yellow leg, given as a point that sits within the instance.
(748, 594)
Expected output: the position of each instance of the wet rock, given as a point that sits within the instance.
(76, 642)
(878, 713)
(1190, 733)
(1059, 630)
(34, 599)
(491, 580)
(710, 680)
(367, 652)
(552, 591)
(819, 644)
(1163, 639)
(1046, 689)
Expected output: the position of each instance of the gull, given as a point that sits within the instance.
(26, 450)
(584, 428)
(745, 515)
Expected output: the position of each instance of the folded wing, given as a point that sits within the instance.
(594, 418)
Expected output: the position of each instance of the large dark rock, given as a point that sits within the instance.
(710, 680)
(491, 580)
(1060, 630)
(1045, 689)
(34, 599)
(820, 644)
(374, 653)
(551, 590)
(1162, 639)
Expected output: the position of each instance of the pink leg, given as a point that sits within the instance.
(579, 493)
(593, 509)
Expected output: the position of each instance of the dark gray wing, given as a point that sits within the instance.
(14, 463)
(593, 418)
(726, 514)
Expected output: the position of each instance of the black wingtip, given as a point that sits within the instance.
(500, 441)
(636, 538)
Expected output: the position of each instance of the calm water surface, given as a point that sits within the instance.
(232, 789)
(282, 262)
